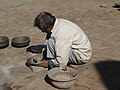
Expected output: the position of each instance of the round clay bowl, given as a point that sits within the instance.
(2, 87)
(62, 79)
(4, 41)
(20, 41)
(117, 4)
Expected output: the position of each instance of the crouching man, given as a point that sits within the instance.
(66, 43)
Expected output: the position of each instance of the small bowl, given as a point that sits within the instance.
(2, 87)
(117, 4)
(62, 79)
(4, 41)
(20, 41)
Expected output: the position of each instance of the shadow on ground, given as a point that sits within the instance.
(48, 80)
(110, 73)
(36, 48)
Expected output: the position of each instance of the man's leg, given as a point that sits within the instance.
(50, 49)
(75, 58)
(51, 54)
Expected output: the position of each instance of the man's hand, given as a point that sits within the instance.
(63, 67)
(44, 63)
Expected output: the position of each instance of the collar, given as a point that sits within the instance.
(54, 27)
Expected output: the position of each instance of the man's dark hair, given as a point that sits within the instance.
(43, 20)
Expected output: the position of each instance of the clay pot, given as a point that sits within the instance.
(62, 79)
(117, 4)
(4, 41)
(20, 41)
(2, 87)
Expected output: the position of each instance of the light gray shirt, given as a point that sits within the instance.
(67, 36)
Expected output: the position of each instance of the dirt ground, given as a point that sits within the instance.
(98, 18)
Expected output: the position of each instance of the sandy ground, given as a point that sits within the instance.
(98, 18)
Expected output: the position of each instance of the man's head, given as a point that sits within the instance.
(45, 21)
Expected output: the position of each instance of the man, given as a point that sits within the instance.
(66, 42)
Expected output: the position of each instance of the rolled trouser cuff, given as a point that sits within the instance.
(51, 64)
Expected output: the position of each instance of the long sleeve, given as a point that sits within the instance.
(67, 36)
(62, 50)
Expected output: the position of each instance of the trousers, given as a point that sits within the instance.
(74, 57)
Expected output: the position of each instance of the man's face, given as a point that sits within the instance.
(48, 30)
